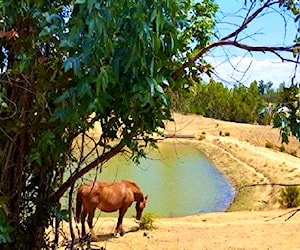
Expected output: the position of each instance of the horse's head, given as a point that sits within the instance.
(140, 205)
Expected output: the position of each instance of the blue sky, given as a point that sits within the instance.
(244, 67)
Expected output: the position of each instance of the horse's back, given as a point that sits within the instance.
(106, 187)
(130, 183)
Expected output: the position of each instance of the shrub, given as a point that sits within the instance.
(269, 144)
(201, 137)
(227, 133)
(220, 133)
(294, 153)
(282, 148)
(289, 197)
(147, 221)
(5, 229)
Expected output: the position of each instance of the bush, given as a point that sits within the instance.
(269, 145)
(147, 221)
(282, 148)
(294, 153)
(5, 228)
(227, 133)
(289, 197)
(201, 137)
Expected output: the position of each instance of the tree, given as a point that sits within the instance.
(216, 100)
(240, 109)
(237, 104)
(67, 66)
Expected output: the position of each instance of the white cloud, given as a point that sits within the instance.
(247, 69)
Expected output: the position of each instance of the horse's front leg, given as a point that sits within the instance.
(119, 227)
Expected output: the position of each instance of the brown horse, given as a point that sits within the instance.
(108, 197)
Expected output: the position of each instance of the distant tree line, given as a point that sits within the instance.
(253, 104)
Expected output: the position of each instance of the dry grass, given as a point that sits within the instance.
(245, 160)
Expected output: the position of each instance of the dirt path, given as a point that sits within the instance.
(231, 230)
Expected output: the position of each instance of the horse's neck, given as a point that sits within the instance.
(138, 196)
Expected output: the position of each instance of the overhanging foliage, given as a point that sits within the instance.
(66, 65)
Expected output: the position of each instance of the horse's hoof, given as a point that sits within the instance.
(116, 235)
(134, 229)
(84, 237)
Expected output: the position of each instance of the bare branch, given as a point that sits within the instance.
(271, 49)
(296, 67)
(9, 34)
(271, 184)
(249, 19)
(231, 39)
(293, 212)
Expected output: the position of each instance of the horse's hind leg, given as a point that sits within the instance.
(90, 222)
(82, 217)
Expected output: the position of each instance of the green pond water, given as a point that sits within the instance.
(178, 179)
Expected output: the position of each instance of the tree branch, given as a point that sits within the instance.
(9, 34)
(292, 212)
(271, 49)
(249, 20)
(225, 42)
(73, 178)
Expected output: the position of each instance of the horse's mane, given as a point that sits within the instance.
(133, 184)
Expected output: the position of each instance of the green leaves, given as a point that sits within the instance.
(125, 49)
(80, 1)
(287, 114)
(292, 6)
(5, 228)
(213, 99)
(61, 214)
(74, 64)
(79, 62)
(105, 77)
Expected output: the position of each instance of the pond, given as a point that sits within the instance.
(178, 179)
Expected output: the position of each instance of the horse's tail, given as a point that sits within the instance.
(78, 206)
